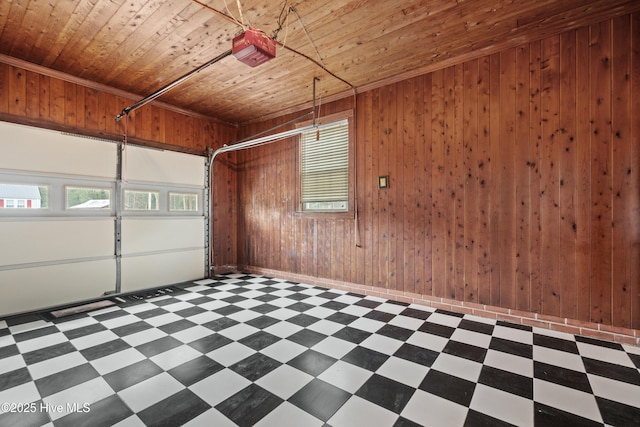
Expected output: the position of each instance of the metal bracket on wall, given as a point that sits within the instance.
(206, 210)
(118, 220)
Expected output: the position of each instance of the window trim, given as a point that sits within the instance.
(328, 119)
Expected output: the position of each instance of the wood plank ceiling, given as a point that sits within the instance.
(139, 46)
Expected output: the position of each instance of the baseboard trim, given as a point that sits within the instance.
(571, 326)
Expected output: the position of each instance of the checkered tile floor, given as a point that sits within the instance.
(249, 350)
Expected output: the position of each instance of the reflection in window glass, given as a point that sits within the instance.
(183, 202)
(88, 198)
(141, 200)
(18, 196)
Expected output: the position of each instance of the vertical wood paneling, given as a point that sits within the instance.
(495, 185)
(305, 246)
(449, 199)
(91, 108)
(567, 168)
(549, 178)
(43, 98)
(49, 102)
(484, 182)
(623, 187)
(471, 224)
(358, 258)
(31, 98)
(396, 170)
(583, 177)
(17, 91)
(143, 123)
(221, 211)
(350, 262)
(264, 251)
(276, 215)
(368, 183)
(407, 192)
(419, 161)
(158, 131)
(324, 247)
(79, 106)
(56, 100)
(376, 211)
(292, 200)
(117, 103)
(634, 174)
(5, 70)
(426, 172)
(33, 94)
(438, 179)
(387, 116)
(261, 246)
(101, 111)
(601, 184)
(522, 165)
(535, 140)
(69, 104)
(506, 179)
(248, 223)
(459, 191)
(394, 149)
(341, 241)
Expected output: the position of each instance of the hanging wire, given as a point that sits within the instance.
(309, 37)
(241, 16)
(292, 9)
(286, 31)
(241, 24)
(356, 222)
(290, 49)
(285, 22)
(280, 20)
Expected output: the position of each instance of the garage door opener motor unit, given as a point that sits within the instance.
(253, 47)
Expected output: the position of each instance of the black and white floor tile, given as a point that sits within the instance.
(250, 350)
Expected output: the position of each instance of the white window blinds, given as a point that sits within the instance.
(325, 168)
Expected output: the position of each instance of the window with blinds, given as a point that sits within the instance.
(325, 168)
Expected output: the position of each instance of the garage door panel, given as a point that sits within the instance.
(34, 288)
(47, 241)
(148, 165)
(57, 255)
(31, 149)
(161, 234)
(141, 272)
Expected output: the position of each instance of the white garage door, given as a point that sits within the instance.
(58, 218)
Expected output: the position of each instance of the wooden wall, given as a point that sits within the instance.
(34, 98)
(37, 99)
(515, 182)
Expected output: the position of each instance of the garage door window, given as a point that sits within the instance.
(88, 198)
(18, 196)
(141, 200)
